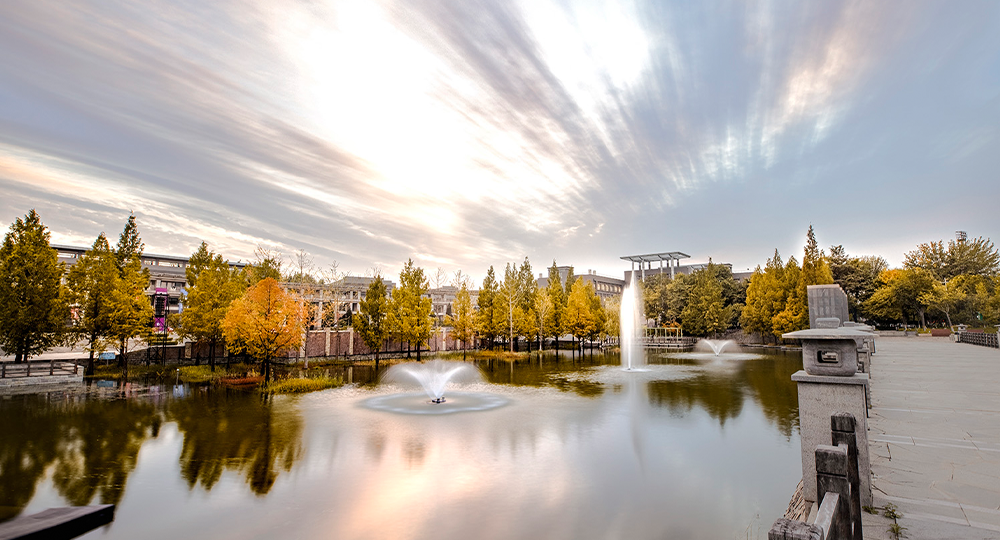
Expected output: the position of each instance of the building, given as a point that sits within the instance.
(346, 293)
(167, 273)
(605, 287)
(443, 301)
(673, 266)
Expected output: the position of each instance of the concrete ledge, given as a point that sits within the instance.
(857, 378)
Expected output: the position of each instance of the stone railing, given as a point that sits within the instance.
(979, 338)
(838, 483)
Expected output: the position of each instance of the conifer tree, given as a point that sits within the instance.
(815, 271)
(410, 311)
(371, 320)
(579, 317)
(91, 284)
(765, 297)
(212, 287)
(461, 320)
(485, 314)
(558, 298)
(32, 308)
(132, 313)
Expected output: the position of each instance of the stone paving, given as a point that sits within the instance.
(935, 438)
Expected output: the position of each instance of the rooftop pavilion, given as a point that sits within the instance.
(646, 261)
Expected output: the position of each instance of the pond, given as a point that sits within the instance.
(693, 447)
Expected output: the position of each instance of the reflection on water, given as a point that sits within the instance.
(225, 429)
(689, 449)
(88, 447)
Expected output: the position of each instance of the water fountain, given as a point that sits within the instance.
(433, 377)
(633, 321)
(717, 345)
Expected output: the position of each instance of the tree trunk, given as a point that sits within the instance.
(948, 316)
(211, 354)
(923, 322)
(90, 363)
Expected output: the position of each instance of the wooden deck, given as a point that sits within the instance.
(58, 523)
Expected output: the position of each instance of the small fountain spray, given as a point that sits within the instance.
(433, 376)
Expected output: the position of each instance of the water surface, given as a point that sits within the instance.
(695, 447)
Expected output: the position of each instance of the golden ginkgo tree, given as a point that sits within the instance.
(264, 323)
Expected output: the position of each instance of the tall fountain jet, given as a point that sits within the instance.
(633, 322)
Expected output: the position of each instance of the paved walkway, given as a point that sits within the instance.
(935, 438)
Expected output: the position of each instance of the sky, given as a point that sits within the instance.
(469, 133)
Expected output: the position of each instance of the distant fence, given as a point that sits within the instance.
(839, 487)
(979, 338)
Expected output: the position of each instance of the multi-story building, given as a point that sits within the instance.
(166, 273)
(345, 294)
(443, 301)
(605, 287)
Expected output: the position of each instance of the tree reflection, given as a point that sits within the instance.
(778, 396)
(720, 397)
(721, 393)
(232, 430)
(90, 446)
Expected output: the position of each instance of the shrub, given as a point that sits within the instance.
(302, 385)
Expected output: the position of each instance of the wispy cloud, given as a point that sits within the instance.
(468, 133)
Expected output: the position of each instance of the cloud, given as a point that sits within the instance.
(472, 133)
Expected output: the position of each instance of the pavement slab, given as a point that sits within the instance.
(935, 438)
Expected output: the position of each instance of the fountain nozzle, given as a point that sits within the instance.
(438, 400)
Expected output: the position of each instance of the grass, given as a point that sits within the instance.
(301, 385)
(112, 371)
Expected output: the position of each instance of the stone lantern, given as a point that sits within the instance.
(828, 384)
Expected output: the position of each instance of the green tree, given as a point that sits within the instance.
(943, 297)
(857, 276)
(32, 308)
(212, 288)
(706, 312)
(410, 311)
(267, 265)
(579, 317)
(461, 320)
(976, 257)
(91, 284)
(132, 313)
(371, 320)
(486, 325)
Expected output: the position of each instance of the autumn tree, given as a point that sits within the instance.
(371, 320)
(898, 298)
(543, 317)
(765, 297)
(786, 293)
(461, 320)
(410, 310)
(212, 286)
(264, 322)
(514, 301)
(556, 294)
(90, 286)
(132, 313)
(32, 308)
(579, 318)
(815, 271)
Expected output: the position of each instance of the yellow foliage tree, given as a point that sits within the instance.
(265, 322)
